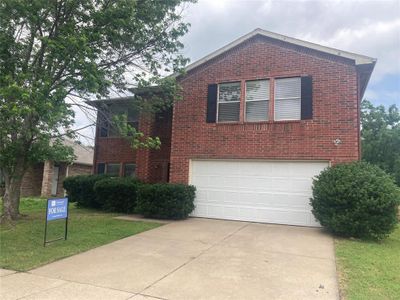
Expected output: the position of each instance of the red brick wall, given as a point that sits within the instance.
(113, 150)
(335, 109)
(159, 159)
(151, 165)
(32, 181)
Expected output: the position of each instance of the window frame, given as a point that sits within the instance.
(290, 98)
(240, 101)
(124, 170)
(98, 167)
(107, 127)
(119, 169)
(268, 100)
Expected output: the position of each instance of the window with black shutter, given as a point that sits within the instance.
(287, 98)
(229, 102)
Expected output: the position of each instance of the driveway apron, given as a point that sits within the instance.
(194, 259)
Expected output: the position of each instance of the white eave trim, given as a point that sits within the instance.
(358, 59)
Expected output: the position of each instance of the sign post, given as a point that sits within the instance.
(57, 208)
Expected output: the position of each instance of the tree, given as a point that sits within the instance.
(380, 135)
(54, 49)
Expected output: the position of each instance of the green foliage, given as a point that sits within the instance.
(117, 194)
(381, 137)
(51, 51)
(166, 201)
(369, 269)
(356, 200)
(80, 189)
(136, 138)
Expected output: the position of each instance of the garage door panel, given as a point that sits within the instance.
(201, 195)
(259, 191)
(259, 183)
(263, 215)
(257, 199)
(200, 181)
(252, 169)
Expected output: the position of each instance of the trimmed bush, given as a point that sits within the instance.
(80, 189)
(356, 200)
(117, 194)
(165, 201)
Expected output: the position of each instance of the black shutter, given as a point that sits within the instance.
(212, 103)
(306, 98)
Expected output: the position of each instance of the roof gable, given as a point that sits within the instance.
(357, 58)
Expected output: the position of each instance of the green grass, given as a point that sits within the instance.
(369, 270)
(21, 245)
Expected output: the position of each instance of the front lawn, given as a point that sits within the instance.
(369, 270)
(21, 246)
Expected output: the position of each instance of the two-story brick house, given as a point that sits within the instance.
(259, 118)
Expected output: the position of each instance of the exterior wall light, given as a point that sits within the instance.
(337, 142)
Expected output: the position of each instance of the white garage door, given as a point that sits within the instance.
(258, 191)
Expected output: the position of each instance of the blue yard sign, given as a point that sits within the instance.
(57, 208)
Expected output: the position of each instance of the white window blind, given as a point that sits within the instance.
(288, 98)
(228, 102)
(257, 100)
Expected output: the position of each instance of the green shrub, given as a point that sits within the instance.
(166, 201)
(80, 189)
(117, 194)
(356, 200)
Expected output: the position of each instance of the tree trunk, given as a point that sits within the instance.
(12, 193)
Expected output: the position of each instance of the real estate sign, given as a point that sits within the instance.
(57, 208)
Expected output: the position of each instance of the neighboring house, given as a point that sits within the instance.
(259, 119)
(46, 179)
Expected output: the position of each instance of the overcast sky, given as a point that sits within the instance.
(370, 28)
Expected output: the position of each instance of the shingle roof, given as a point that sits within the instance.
(84, 154)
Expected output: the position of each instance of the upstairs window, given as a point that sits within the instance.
(229, 102)
(257, 100)
(288, 98)
(292, 99)
(107, 128)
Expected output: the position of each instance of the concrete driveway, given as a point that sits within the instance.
(192, 259)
